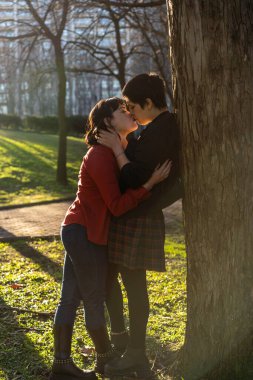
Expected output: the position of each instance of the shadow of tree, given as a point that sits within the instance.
(19, 357)
(36, 166)
(35, 158)
(161, 357)
(21, 245)
(46, 264)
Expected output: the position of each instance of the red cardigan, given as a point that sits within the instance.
(98, 195)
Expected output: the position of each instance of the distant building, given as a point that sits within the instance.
(29, 86)
(33, 89)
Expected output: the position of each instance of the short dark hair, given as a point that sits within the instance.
(144, 86)
(103, 109)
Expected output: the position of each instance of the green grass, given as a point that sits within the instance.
(28, 167)
(26, 346)
(31, 271)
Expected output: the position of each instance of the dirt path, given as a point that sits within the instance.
(44, 220)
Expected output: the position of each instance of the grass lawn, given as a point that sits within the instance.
(30, 286)
(28, 167)
(31, 270)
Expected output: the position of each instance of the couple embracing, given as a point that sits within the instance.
(115, 227)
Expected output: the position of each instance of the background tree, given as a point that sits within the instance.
(8, 76)
(212, 55)
(103, 43)
(49, 36)
(51, 22)
(115, 43)
(151, 26)
(47, 20)
(123, 39)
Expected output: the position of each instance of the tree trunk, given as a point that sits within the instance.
(121, 64)
(212, 57)
(122, 74)
(61, 176)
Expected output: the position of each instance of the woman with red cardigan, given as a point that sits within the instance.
(84, 235)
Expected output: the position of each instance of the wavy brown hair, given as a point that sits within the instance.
(96, 120)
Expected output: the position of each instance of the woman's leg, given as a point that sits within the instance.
(66, 312)
(63, 366)
(134, 359)
(89, 263)
(138, 304)
(114, 299)
(70, 296)
(90, 267)
(114, 303)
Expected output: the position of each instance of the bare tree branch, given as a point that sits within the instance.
(65, 10)
(99, 71)
(39, 20)
(135, 4)
(29, 52)
(154, 32)
(19, 37)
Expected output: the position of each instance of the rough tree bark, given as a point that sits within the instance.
(212, 57)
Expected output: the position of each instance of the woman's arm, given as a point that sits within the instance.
(153, 147)
(133, 174)
(103, 170)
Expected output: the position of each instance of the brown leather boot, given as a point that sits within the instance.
(119, 341)
(63, 366)
(133, 361)
(104, 351)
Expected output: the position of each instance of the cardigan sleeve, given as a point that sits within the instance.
(102, 168)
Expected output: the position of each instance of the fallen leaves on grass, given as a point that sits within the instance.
(88, 351)
(16, 286)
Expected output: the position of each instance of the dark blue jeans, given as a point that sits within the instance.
(84, 278)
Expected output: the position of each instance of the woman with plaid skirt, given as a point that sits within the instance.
(136, 239)
(84, 235)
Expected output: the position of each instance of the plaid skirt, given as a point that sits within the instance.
(138, 242)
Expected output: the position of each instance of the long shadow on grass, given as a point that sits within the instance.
(45, 263)
(26, 250)
(161, 358)
(43, 151)
(33, 165)
(19, 358)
